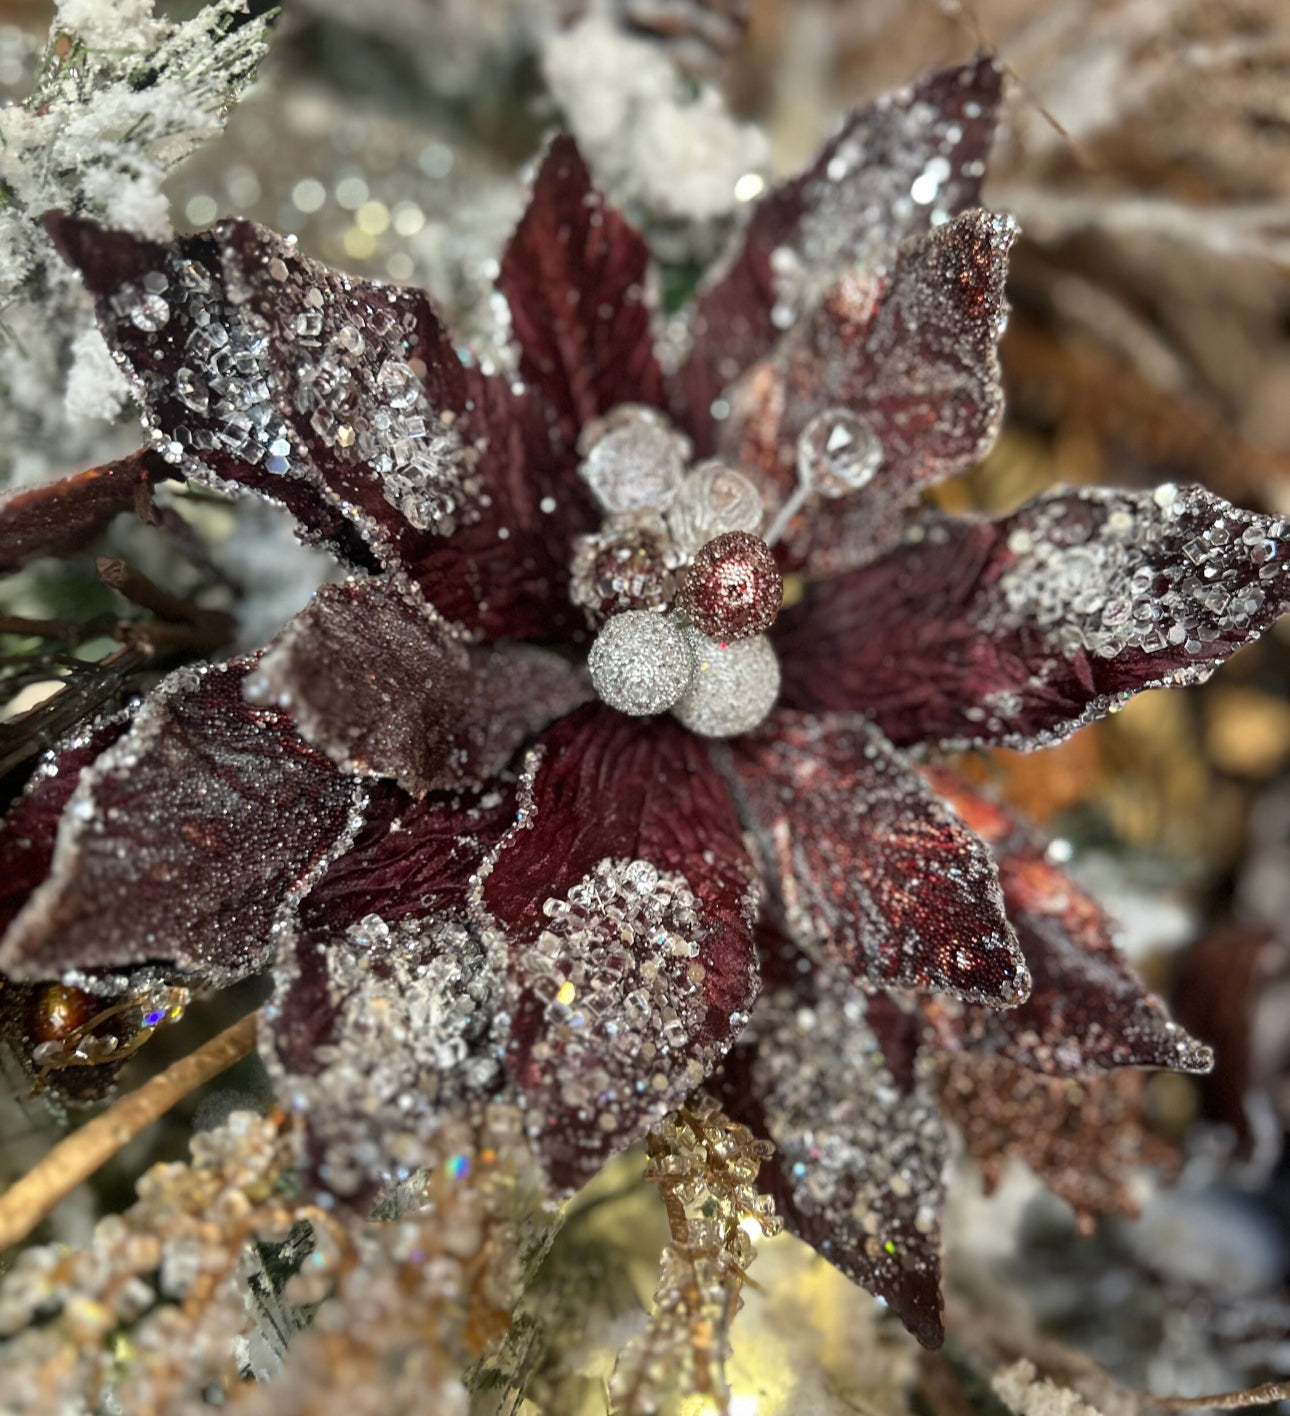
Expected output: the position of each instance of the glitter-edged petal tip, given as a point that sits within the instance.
(860, 1149)
(186, 840)
(343, 400)
(573, 276)
(628, 896)
(897, 165)
(1087, 1010)
(911, 356)
(1021, 630)
(871, 869)
(371, 677)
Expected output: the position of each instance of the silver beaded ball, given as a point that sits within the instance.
(641, 662)
(735, 685)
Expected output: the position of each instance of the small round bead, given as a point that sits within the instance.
(641, 662)
(621, 568)
(633, 459)
(838, 452)
(734, 588)
(734, 685)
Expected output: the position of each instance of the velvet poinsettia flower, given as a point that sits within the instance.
(608, 725)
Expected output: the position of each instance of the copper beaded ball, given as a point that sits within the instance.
(734, 588)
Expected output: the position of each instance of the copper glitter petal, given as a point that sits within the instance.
(1021, 630)
(859, 1145)
(573, 276)
(1083, 1139)
(871, 869)
(1087, 1009)
(628, 897)
(851, 208)
(372, 677)
(28, 831)
(60, 518)
(186, 840)
(914, 356)
(345, 401)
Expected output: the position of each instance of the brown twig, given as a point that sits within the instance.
(26, 1202)
(1224, 1401)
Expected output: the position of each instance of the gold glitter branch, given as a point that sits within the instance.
(29, 1200)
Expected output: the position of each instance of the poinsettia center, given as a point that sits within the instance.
(677, 581)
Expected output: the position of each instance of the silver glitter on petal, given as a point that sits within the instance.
(641, 663)
(735, 685)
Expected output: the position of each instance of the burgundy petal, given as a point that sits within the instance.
(186, 840)
(344, 400)
(573, 276)
(1087, 1009)
(852, 207)
(28, 831)
(1019, 631)
(628, 898)
(61, 517)
(371, 676)
(1083, 1139)
(872, 870)
(913, 356)
(859, 1145)
(515, 690)
(385, 1037)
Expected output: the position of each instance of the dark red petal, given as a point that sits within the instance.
(186, 840)
(851, 208)
(344, 400)
(1083, 1139)
(411, 857)
(516, 690)
(628, 899)
(872, 870)
(61, 517)
(573, 276)
(28, 831)
(1019, 631)
(383, 1037)
(914, 356)
(859, 1145)
(1087, 1009)
(371, 676)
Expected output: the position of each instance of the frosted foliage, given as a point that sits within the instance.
(121, 98)
(663, 148)
(417, 1025)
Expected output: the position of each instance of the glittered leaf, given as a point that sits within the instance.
(372, 677)
(1018, 631)
(859, 1144)
(59, 518)
(628, 898)
(28, 831)
(345, 401)
(186, 840)
(381, 1034)
(896, 165)
(912, 355)
(573, 276)
(1087, 1009)
(1083, 1139)
(872, 871)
